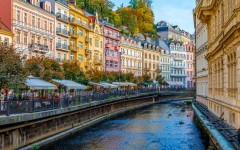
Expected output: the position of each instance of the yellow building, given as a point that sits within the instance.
(79, 30)
(6, 35)
(151, 59)
(131, 58)
(223, 56)
(94, 55)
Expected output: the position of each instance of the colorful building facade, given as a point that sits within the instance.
(95, 44)
(33, 25)
(223, 57)
(131, 58)
(190, 69)
(112, 55)
(151, 59)
(6, 36)
(79, 30)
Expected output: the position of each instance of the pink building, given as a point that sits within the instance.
(33, 25)
(190, 70)
(112, 55)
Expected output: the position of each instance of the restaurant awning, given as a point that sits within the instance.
(131, 84)
(120, 83)
(171, 83)
(108, 85)
(71, 84)
(93, 83)
(179, 83)
(35, 83)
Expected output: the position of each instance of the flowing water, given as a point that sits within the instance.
(168, 126)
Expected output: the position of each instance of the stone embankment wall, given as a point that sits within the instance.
(34, 127)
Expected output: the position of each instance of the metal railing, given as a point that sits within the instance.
(220, 124)
(17, 106)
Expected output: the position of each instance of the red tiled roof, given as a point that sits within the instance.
(4, 27)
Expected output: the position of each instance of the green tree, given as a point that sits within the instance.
(12, 72)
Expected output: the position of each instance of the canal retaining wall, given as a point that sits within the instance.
(20, 130)
(214, 135)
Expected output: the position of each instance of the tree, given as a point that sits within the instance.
(71, 69)
(12, 73)
(146, 78)
(160, 79)
(45, 68)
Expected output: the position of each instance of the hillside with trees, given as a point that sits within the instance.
(135, 18)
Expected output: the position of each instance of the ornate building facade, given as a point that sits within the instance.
(190, 69)
(223, 24)
(112, 55)
(95, 44)
(6, 36)
(201, 62)
(33, 25)
(79, 30)
(131, 58)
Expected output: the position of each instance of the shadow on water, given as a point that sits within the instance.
(162, 126)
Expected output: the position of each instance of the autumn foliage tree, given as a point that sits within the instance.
(12, 73)
(45, 68)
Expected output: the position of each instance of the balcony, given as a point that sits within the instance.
(112, 36)
(177, 58)
(115, 47)
(62, 17)
(107, 45)
(73, 48)
(178, 75)
(146, 69)
(87, 39)
(179, 67)
(63, 47)
(73, 35)
(63, 32)
(38, 48)
(97, 61)
(79, 23)
(87, 52)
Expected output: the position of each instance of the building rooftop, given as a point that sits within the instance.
(4, 27)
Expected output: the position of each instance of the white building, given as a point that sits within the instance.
(201, 62)
(178, 65)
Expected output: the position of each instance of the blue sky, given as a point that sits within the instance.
(176, 12)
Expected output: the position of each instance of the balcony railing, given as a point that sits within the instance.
(73, 34)
(32, 27)
(73, 48)
(62, 17)
(38, 47)
(62, 46)
(178, 75)
(79, 23)
(63, 32)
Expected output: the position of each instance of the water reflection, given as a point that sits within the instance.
(163, 126)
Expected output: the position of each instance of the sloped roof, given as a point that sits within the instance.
(4, 27)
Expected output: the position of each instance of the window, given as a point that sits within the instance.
(90, 41)
(51, 44)
(79, 20)
(33, 20)
(107, 62)
(25, 39)
(6, 41)
(50, 27)
(25, 18)
(80, 57)
(111, 63)
(80, 45)
(45, 41)
(111, 53)
(38, 22)
(80, 32)
(96, 43)
(18, 37)
(85, 23)
(71, 56)
(38, 40)
(115, 64)
(115, 54)
(18, 15)
(64, 56)
(101, 44)
(33, 39)
(45, 25)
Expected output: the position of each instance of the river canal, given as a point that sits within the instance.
(162, 127)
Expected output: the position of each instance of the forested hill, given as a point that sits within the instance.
(137, 17)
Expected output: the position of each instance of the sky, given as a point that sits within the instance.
(175, 12)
